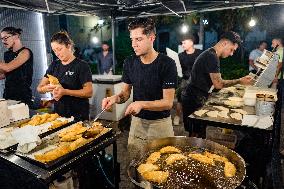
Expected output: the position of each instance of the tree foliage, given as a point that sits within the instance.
(123, 49)
(234, 19)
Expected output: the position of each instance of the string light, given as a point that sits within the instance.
(95, 40)
(184, 28)
(252, 22)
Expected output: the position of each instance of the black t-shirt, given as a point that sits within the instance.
(18, 82)
(200, 81)
(149, 80)
(187, 61)
(71, 76)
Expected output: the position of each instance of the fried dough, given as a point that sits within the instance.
(236, 116)
(215, 157)
(57, 123)
(146, 167)
(223, 114)
(156, 176)
(53, 154)
(200, 112)
(169, 149)
(202, 158)
(153, 158)
(52, 80)
(221, 108)
(229, 169)
(78, 143)
(174, 157)
(212, 114)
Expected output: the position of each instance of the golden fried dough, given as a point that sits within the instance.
(174, 157)
(53, 154)
(153, 158)
(96, 123)
(78, 143)
(52, 80)
(229, 169)
(70, 137)
(96, 129)
(52, 117)
(201, 158)
(169, 149)
(146, 167)
(41, 119)
(215, 157)
(74, 129)
(156, 176)
(57, 123)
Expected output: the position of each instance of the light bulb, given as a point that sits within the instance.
(252, 22)
(95, 40)
(101, 22)
(184, 28)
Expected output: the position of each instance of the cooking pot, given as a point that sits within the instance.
(182, 141)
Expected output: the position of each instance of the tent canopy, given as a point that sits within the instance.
(121, 9)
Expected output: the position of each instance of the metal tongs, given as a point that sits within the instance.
(88, 125)
(88, 133)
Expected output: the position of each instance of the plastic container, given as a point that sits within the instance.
(215, 134)
(263, 108)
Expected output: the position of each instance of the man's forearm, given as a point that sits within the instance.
(228, 83)
(157, 105)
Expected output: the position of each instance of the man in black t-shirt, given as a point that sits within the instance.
(205, 76)
(186, 58)
(153, 77)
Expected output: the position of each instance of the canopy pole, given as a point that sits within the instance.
(113, 42)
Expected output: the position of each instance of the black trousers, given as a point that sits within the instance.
(191, 103)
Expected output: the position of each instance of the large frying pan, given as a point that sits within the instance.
(183, 141)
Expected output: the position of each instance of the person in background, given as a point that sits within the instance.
(87, 54)
(105, 60)
(254, 54)
(277, 45)
(75, 78)
(186, 58)
(153, 78)
(205, 76)
(17, 67)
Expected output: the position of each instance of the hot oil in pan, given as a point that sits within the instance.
(192, 174)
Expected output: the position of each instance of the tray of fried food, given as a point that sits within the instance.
(41, 119)
(48, 121)
(64, 144)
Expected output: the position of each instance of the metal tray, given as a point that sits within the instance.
(61, 160)
(13, 145)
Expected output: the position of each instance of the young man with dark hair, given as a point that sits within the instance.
(153, 77)
(205, 76)
(186, 58)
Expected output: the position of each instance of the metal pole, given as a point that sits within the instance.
(113, 41)
(101, 33)
(201, 31)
